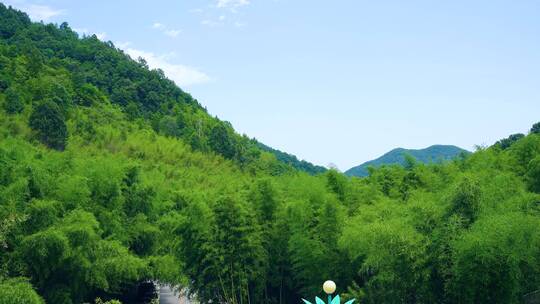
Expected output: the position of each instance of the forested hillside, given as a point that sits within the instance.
(293, 160)
(89, 70)
(111, 176)
(400, 156)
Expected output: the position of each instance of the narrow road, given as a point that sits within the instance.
(168, 296)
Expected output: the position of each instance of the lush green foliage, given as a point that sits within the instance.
(505, 143)
(48, 122)
(17, 291)
(293, 161)
(535, 128)
(146, 186)
(405, 157)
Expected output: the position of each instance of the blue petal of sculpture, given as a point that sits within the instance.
(329, 287)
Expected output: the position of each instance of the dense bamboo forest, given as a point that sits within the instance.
(110, 175)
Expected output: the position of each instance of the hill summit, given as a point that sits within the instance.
(435, 153)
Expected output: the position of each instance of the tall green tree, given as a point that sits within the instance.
(221, 142)
(18, 291)
(465, 200)
(509, 141)
(535, 129)
(13, 103)
(533, 174)
(239, 246)
(337, 183)
(49, 124)
(498, 261)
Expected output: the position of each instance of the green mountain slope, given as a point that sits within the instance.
(293, 160)
(94, 70)
(435, 153)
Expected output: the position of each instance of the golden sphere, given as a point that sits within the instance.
(329, 287)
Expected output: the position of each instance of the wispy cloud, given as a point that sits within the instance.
(158, 25)
(220, 10)
(239, 24)
(208, 22)
(172, 33)
(101, 36)
(182, 75)
(231, 3)
(217, 22)
(122, 45)
(81, 30)
(165, 30)
(37, 12)
(42, 12)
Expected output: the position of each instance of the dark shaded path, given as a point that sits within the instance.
(168, 296)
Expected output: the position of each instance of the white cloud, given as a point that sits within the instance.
(219, 12)
(123, 45)
(42, 12)
(225, 6)
(81, 30)
(221, 21)
(231, 3)
(165, 30)
(158, 25)
(36, 12)
(182, 75)
(172, 33)
(101, 36)
(211, 23)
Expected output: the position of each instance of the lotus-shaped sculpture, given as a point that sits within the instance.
(329, 287)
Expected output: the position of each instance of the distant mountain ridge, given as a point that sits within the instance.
(435, 153)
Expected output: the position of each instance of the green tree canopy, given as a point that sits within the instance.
(48, 122)
(18, 291)
(13, 103)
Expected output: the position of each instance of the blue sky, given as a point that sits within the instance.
(336, 81)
